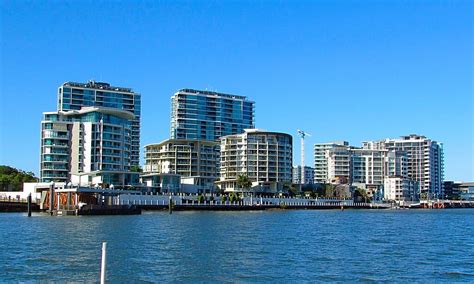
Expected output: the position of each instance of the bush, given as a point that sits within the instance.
(200, 198)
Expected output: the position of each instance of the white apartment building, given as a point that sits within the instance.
(400, 189)
(92, 140)
(264, 157)
(321, 159)
(339, 164)
(195, 160)
(425, 161)
(75, 96)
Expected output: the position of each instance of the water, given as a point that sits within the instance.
(273, 246)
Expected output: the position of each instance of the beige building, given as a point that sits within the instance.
(196, 159)
(264, 157)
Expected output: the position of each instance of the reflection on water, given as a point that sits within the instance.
(277, 246)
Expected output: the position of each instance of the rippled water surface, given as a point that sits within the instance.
(272, 246)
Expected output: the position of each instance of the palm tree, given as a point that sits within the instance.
(243, 182)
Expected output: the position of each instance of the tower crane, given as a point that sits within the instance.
(302, 134)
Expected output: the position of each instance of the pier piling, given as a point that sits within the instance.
(170, 205)
(29, 205)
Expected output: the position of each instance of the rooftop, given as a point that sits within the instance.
(98, 86)
(211, 93)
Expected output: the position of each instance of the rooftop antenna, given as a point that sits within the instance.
(302, 134)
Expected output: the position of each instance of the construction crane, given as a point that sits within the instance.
(302, 134)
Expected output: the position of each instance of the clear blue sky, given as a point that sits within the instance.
(341, 70)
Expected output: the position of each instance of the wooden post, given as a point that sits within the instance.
(51, 198)
(29, 205)
(170, 205)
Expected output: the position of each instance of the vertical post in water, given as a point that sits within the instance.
(29, 205)
(102, 266)
(51, 198)
(170, 205)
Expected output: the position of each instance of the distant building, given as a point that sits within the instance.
(321, 159)
(467, 190)
(206, 115)
(264, 157)
(92, 141)
(458, 190)
(338, 164)
(425, 161)
(366, 168)
(400, 189)
(74, 96)
(308, 175)
(197, 159)
(452, 190)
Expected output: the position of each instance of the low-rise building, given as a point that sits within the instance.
(164, 183)
(400, 189)
(467, 190)
(196, 159)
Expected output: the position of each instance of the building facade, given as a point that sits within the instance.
(339, 164)
(196, 159)
(400, 189)
(74, 96)
(264, 157)
(205, 115)
(425, 161)
(80, 142)
(308, 175)
(321, 159)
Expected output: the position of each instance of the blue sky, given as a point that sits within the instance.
(341, 70)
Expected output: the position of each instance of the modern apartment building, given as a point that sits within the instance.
(321, 161)
(367, 166)
(74, 96)
(400, 189)
(338, 161)
(90, 141)
(205, 115)
(308, 175)
(191, 159)
(425, 161)
(264, 157)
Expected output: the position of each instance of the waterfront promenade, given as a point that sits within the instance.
(184, 202)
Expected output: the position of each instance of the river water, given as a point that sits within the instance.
(270, 246)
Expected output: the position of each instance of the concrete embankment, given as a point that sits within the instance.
(206, 207)
(8, 206)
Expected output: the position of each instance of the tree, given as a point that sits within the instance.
(12, 179)
(329, 190)
(243, 182)
(361, 195)
(136, 169)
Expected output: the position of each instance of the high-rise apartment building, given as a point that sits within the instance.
(196, 159)
(85, 141)
(425, 161)
(74, 96)
(321, 160)
(205, 115)
(308, 175)
(264, 157)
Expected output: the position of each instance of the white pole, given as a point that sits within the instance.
(102, 267)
